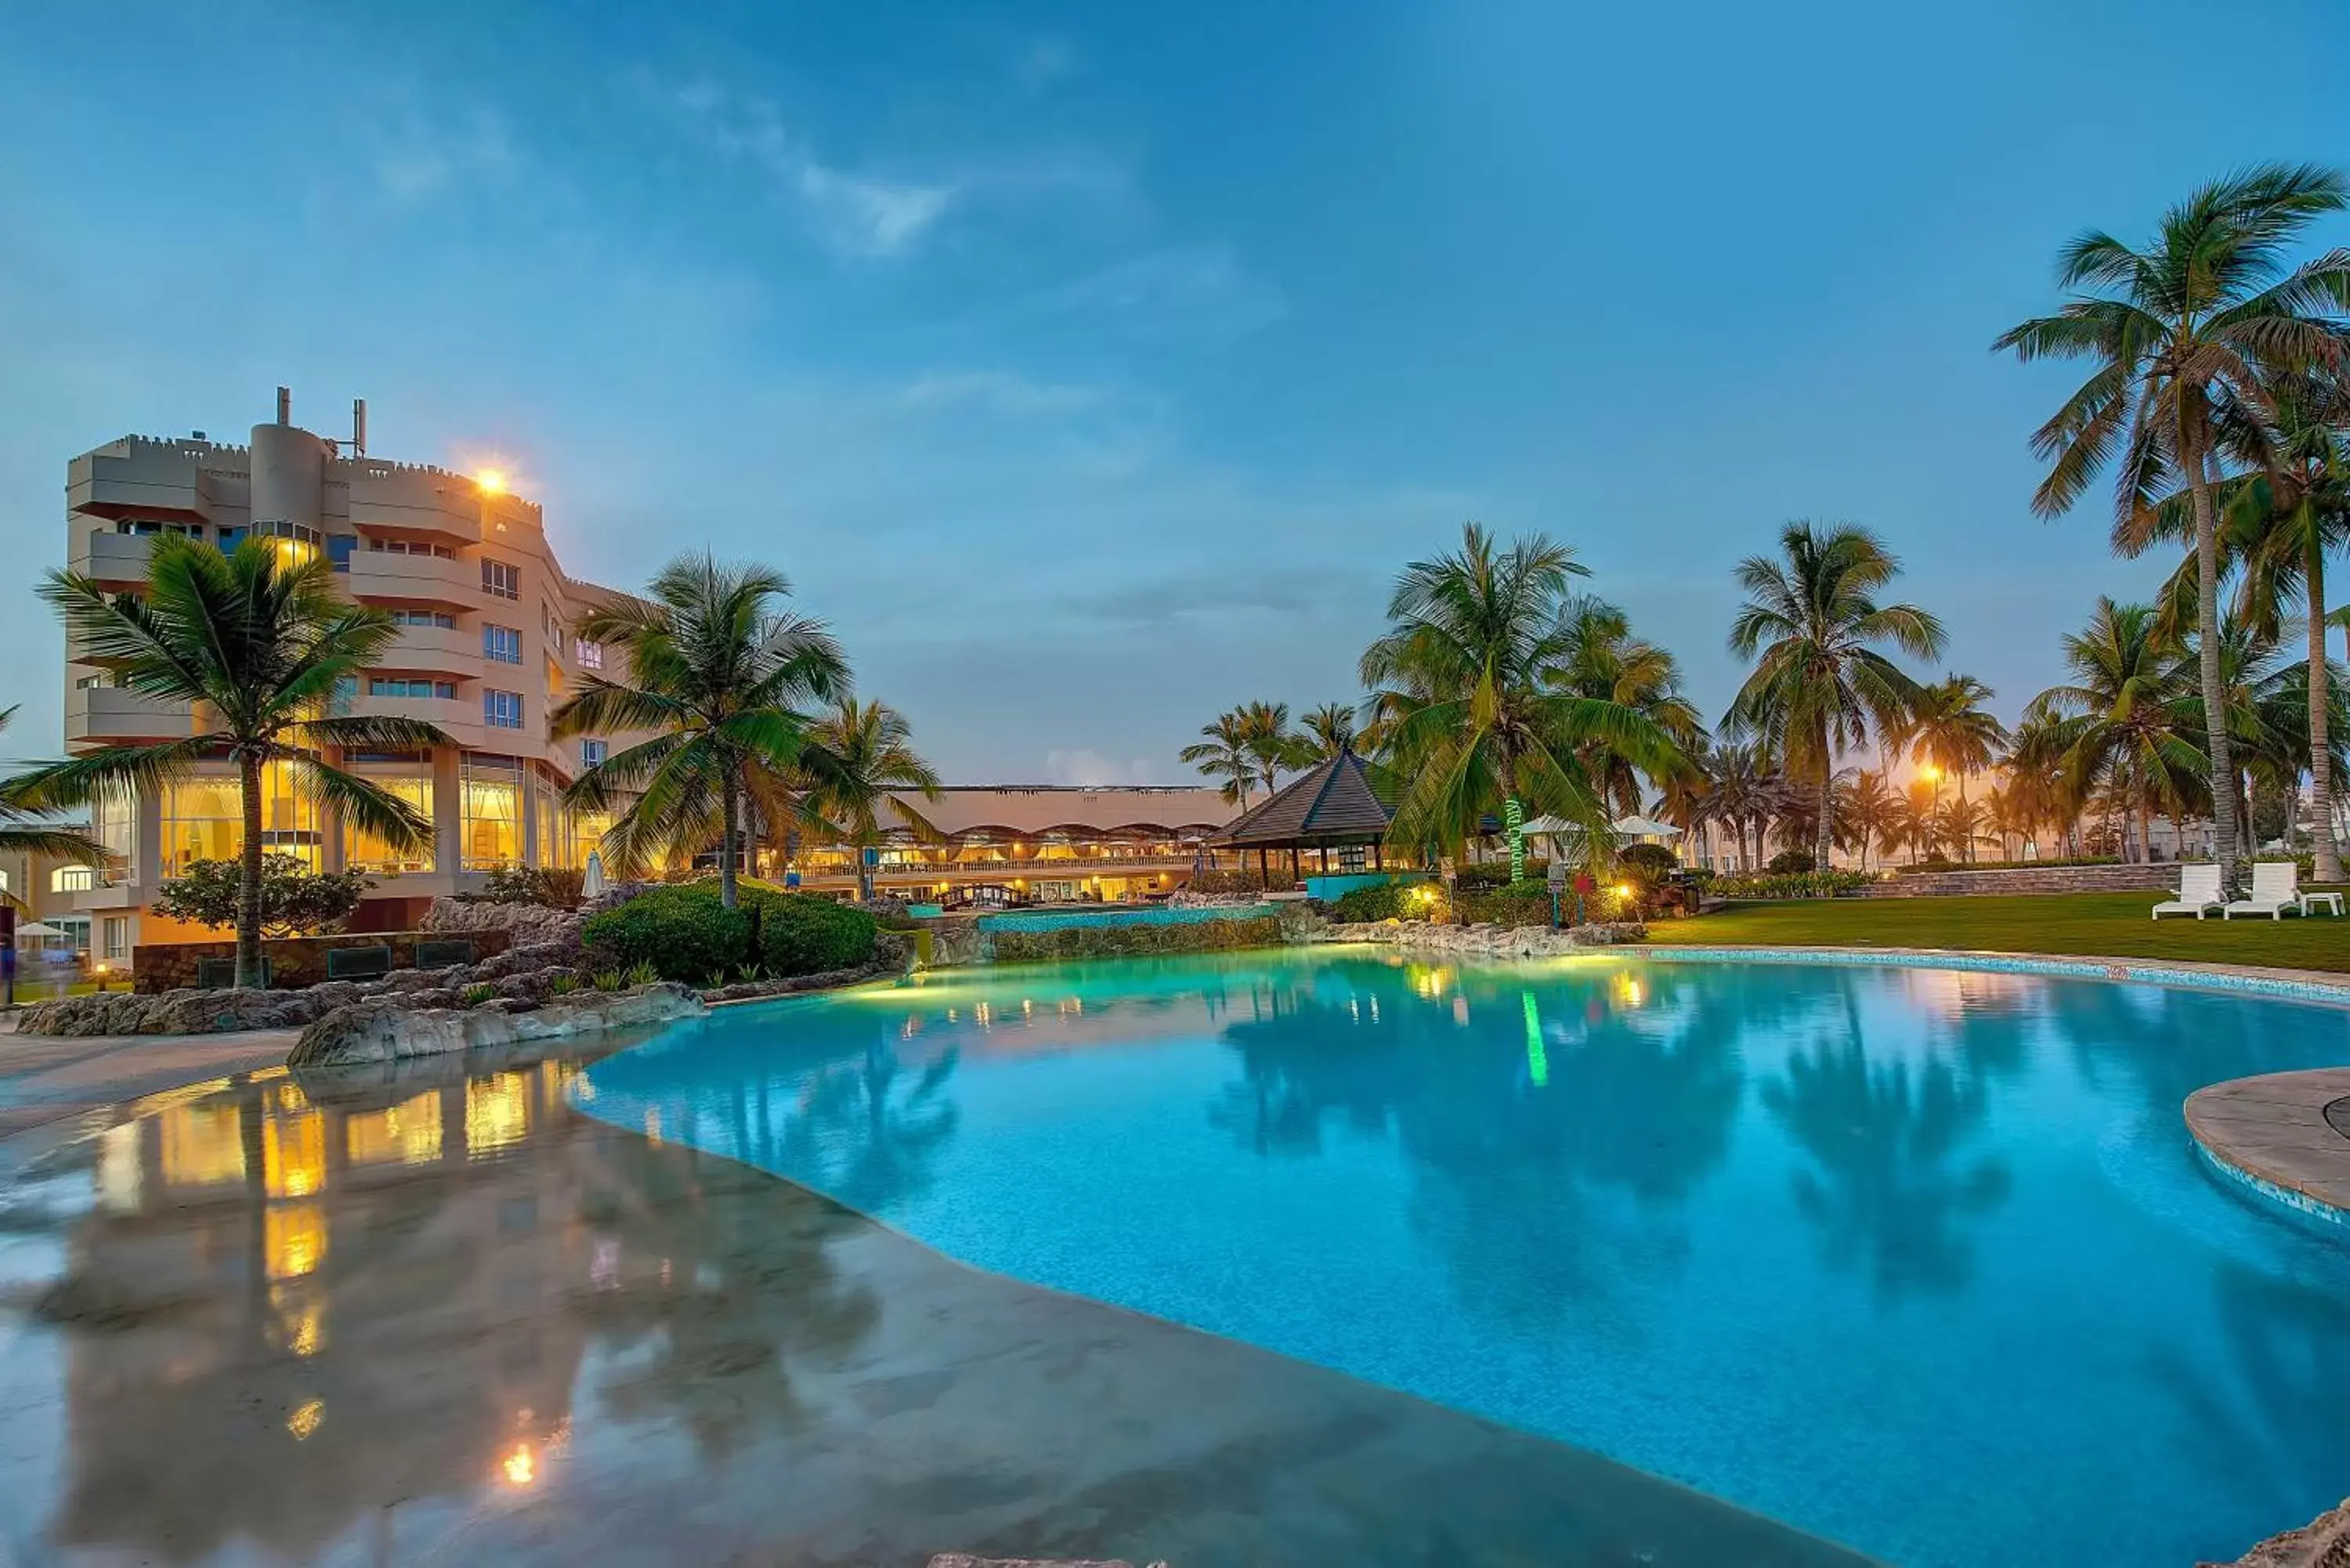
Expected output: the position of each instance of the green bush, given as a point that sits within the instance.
(1648, 862)
(683, 932)
(1487, 875)
(1523, 903)
(1789, 863)
(1388, 901)
(1127, 942)
(798, 934)
(1796, 885)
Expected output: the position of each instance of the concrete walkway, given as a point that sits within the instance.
(2277, 1127)
(44, 1079)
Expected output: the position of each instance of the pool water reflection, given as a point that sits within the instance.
(1916, 1260)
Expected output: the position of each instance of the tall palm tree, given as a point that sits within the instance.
(2037, 783)
(1461, 675)
(1952, 729)
(2130, 691)
(1917, 823)
(1272, 744)
(859, 765)
(258, 643)
(1330, 729)
(1604, 662)
(1811, 624)
(2197, 319)
(1868, 804)
(1223, 754)
(1744, 793)
(22, 834)
(718, 672)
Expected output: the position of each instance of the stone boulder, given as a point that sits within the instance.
(381, 1031)
(529, 922)
(2324, 1544)
(168, 1013)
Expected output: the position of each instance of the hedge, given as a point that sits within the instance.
(1123, 941)
(1385, 901)
(687, 935)
(1794, 884)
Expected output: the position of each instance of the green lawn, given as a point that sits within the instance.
(2110, 925)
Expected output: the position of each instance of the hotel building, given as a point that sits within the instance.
(485, 650)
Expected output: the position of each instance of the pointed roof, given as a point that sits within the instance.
(1334, 800)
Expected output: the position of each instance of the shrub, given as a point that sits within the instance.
(798, 934)
(552, 887)
(563, 985)
(681, 933)
(1796, 885)
(1226, 883)
(1490, 874)
(295, 899)
(1523, 903)
(476, 994)
(1650, 862)
(1388, 901)
(607, 980)
(1789, 863)
(640, 973)
(1124, 941)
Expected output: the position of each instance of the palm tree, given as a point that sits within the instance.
(259, 644)
(1868, 805)
(1272, 744)
(1606, 663)
(2198, 319)
(1917, 823)
(1461, 676)
(1223, 754)
(1952, 729)
(2037, 783)
(717, 672)
(1744, 793)
(1811, 623)
(2130, 692)
(1331, 728)
(21, 835)
(860, 761)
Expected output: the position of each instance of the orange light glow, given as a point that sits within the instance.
(521, 1467)
(490, 481)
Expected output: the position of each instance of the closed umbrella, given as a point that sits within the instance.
(591, 886)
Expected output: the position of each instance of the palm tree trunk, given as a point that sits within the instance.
(731, 805)
(1825, 838)
(2327, 867)
(2206, 650)
(248, 875)
(1968, 854)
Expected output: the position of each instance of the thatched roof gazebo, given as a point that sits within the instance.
(1336, 804)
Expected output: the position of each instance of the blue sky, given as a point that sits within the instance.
(1094, 368)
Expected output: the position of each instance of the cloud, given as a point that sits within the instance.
(999, 391)
(1044, 62)
(1092, 769)
(416, 162)
(1195, 292)
(858, 214)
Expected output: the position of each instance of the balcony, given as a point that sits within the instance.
(118, 561)
(411, 502)
(459, 717)
(142, 477)
(109, 716)
(381, 577)
(438, 650)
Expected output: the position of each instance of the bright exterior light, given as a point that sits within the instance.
(521, 1467)
(1930, 773)
(1623, 889)
(490, 482)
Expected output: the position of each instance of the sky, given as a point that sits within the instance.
(1093, 368)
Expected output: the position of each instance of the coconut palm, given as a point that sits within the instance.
(1811, 624)
(1272, 744)
(2037, 784)
(22, 834)
(2130, 691)
(2198, 320)
(1952, 729)
(1223, 754)
(719, 674)
(1603, 661)
(1871, 811)
(859, 765)
(1462, 679)
(258, 643)
(1331, 730)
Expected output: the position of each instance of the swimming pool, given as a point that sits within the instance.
(1917, 1260)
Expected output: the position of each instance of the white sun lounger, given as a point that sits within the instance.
(2275, 889)
(2198, 892)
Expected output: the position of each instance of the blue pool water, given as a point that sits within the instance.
(1917, 1260)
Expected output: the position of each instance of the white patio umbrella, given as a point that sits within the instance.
(591, 886)
(1636, 827)
(35, 928)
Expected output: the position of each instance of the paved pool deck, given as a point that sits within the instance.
(430, 1313)
(2288, 1130)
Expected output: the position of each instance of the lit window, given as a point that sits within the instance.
(378, 685)
(440, 619)
(366, 852)
(116, 934)
(501, 710)
(502, 643)
(501, 580)
(72, 879)
(588, 655)
(491, 824)
(593, 752)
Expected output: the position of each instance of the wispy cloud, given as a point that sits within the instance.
(1044, 62)
(416, 161)
(1001, 392)
(858, 214)
(1194, 292)
(1090, 768)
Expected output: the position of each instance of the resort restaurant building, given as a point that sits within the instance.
(1037, 844)
(485, 650)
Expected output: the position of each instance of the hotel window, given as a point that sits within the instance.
(501, 580)
(501, 710)
(593, 752)
(588, 655)
(502, 644)
(230, 539)
(203, 819)
(491, 827)
(403, 547)
(439, 619)
(115, 934)
(4, 882)
(367, 852)
(347, 689)
(550, 625)
(74, 927)
(72, 879)
(584, 834)
(546, 823)
(446, 690)
(114, 823)
(90, 683)
(146, 527)
(338, 550)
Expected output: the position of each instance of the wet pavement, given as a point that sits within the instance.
(434, 1314)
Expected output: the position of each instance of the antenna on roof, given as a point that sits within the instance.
(358, 427)
(285, 405)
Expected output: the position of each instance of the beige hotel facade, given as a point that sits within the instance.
(485, 650)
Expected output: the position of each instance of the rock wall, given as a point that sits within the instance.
(384, 1030)
(2027, 879)
(523, 922)
(295, 962)
(1486, 941)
